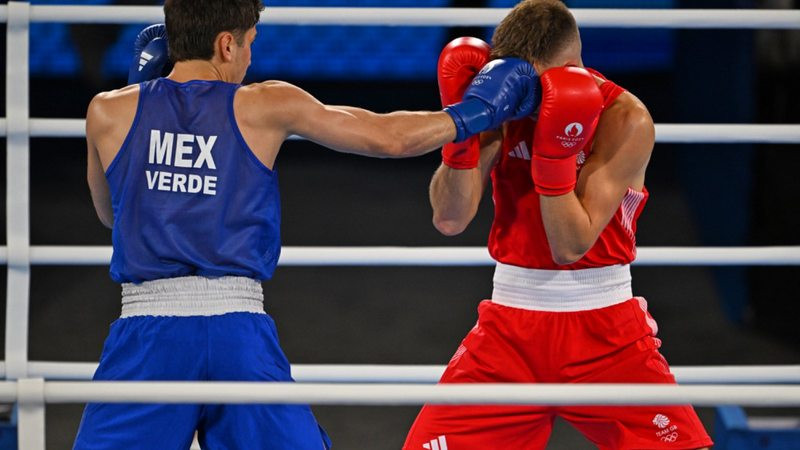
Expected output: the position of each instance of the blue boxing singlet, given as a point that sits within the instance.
(188, 194)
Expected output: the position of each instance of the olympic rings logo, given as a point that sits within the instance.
(672, 437)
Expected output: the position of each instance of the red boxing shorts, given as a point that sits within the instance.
(614, 344)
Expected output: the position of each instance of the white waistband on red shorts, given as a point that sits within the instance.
(192, 296)
(561, 290)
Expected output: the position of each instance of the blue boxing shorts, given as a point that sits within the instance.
(226, 339)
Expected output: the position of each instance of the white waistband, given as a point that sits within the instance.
(192, 296)
(561, 290)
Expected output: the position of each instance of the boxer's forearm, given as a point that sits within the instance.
(409, 133)
(569, 228)
(397, 134)
(454, 195)
(418, 132)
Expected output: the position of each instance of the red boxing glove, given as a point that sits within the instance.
(571, 107)
(459, 62)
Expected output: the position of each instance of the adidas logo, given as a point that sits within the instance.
(439, 443)
(520, 151)
(144, 58)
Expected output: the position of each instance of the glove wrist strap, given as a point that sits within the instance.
(554, 176)
(470, 116)
(463, 155)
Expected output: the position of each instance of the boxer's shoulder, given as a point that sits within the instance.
(117, 99)
(270, 101)
(627, 112)
(269, 90)
(112, 107)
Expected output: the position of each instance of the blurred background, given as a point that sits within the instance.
(701, 195)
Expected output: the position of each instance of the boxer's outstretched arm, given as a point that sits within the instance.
(354, 130)
(407, 129)
(456, 193)
(622, 148)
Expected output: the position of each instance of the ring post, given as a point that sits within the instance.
(31, 427)
(17, 190)
(31, 392)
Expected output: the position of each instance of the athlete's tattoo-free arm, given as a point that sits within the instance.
(354, 130)
(98, 186)
(95, 175)
(622, 148)
(456, 193)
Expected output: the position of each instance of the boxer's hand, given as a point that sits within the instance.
(459, 62)
(571, 107)
(150, 54)
(504, 89)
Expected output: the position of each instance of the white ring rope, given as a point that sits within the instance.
(586, 17)
(377, 373)
(665, 132)
(32, 393)
(441, 256)
(390, 373)
(407, 394)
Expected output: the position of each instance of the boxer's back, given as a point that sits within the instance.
(189, 196)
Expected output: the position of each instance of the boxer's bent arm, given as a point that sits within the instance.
(456, 193)
(95, 175)
(355, 130)
(108, 120)
(622, 148)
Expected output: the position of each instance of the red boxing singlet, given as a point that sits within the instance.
(518, 236)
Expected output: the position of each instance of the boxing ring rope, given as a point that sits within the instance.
(67, 255)
(586, 17)
(429, 374)
(31, 392)
(395, 394)
(666, 133)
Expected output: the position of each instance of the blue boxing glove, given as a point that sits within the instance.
(150, 54)
(504, 89)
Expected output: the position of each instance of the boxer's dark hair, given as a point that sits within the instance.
(193, 25)
(534, 30)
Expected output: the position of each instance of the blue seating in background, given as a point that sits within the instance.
(620, 50)
(361, 52)
(318, 52)
(733, 430)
